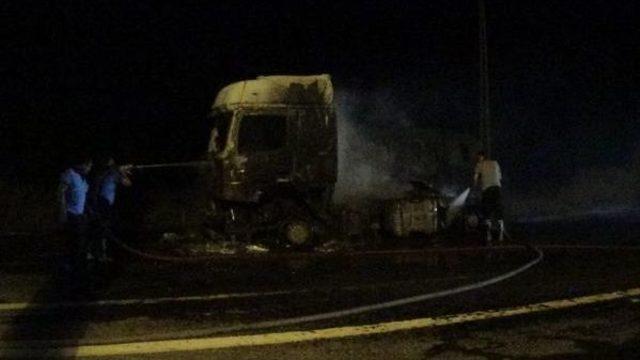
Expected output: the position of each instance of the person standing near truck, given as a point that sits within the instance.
(488, 174)
(73, 213)
(105, 184)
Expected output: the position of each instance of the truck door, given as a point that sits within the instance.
(264, 140)
(316, 151)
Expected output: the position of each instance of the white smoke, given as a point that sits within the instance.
(593, 192)
(365, 167)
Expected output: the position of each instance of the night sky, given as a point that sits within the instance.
(137, 77)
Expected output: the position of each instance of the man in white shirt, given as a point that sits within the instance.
(488, 174)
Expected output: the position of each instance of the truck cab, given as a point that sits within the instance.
(274, 138)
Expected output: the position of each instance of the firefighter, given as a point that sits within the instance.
(488, 175)
(73, 213)
(103, 195)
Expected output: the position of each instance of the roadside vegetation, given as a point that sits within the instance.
(27, 208)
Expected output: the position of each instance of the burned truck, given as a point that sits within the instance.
(274, 147)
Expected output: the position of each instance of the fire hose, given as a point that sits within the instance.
(203, 163)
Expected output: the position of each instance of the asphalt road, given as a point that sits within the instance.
(258, 293)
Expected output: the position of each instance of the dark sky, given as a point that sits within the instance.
(139, 76)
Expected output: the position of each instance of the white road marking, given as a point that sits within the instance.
(19, 306)
(212, 343)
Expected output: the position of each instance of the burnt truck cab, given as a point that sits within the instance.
(273, 138)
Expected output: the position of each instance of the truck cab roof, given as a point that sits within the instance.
(276, 90)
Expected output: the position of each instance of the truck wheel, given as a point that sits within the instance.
(295, 225)
(298, 232)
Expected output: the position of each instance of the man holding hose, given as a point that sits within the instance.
(105, 183)
(488, 174)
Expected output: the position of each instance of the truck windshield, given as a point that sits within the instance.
(262, 133)
(221, 125)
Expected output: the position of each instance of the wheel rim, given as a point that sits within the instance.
(298, 232)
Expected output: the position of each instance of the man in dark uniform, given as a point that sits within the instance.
(73, 213)
(105, 185)
(488, 174)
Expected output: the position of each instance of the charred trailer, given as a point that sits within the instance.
(274, 146)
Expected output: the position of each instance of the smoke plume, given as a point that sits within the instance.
(380, 150)
(366, 166)
(595, 191)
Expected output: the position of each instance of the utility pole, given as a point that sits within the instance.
(485, 113)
